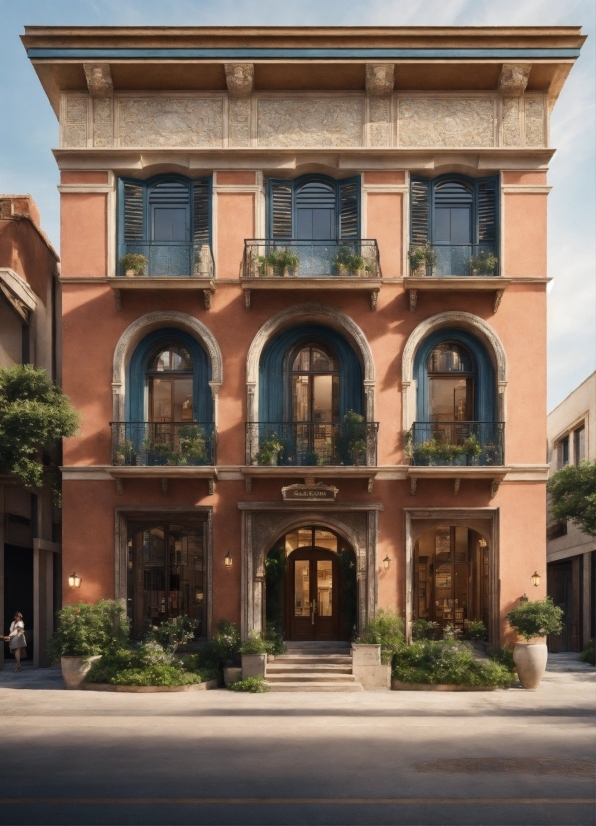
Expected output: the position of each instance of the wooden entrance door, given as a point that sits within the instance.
(312, 595)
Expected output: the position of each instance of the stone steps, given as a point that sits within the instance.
(312, 666)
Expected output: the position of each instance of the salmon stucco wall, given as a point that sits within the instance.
(83, 233)
(235, 222)
(384, 223)
(524, 231)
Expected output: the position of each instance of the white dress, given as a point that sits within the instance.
(17, 635)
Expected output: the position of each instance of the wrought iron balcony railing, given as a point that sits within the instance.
(153, 444)
(300, 444)
(291, 257)
(456, 444)
(444, 260)
(171, 259)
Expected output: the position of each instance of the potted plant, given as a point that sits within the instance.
(430, 259)
(472, 448)
(84, 633)
(254, 655)
(533, 621)
(438, 451)
(348, 262)
(485, 263)
(133, 263)
(125, 454)
(351, 439)
(281, 262)
(417, 261)
(193, 443)
(269, 448)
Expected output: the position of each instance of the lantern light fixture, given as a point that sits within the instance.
(386, 563)
(536, 579)
(74, 580)
(228, 560)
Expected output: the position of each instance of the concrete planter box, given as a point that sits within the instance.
(74, 670)
(367, 667)
(232, 675)
(151, 689)
(253, 665)
(397, 685)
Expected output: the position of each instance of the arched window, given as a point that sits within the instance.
(170, 384)
(314, 384)
(314, 208)
(450, 383)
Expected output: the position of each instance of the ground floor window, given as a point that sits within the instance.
(311, 585)
(451, 577)
(166, 572)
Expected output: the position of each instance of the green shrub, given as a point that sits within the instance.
(156, 675)
(86, 630)
(588, 655)
(278, 259)
(274, 637)
(111, 663)
(173, 633)
(147, 662)
(476, 630)
(424, 629)
(386, 630)
(536, 619)
(255, 644)
(134, 261)
(223, 647)
(256, 685)
(446, 662)
(503, 656)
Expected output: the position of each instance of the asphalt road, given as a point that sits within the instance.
(377, 757)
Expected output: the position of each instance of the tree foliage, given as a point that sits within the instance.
(573, 496)
(34, 415)
(537, 618)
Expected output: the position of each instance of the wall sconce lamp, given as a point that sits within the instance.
(74, 580)
(386, 563)
(228, 560)
(536, 578)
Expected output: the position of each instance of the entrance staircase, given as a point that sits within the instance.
(312, 666)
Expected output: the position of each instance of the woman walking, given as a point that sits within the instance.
(16, 639)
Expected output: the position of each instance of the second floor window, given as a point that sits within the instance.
(579, 444)
(563, 452)
(314, 208)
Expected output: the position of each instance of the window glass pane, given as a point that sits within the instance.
(564, 452)
(449, 358)
(302, 360)
(162, 400)
(322, 399)
(182, 400)
(154, 589)
(450, 400)
(291, 542)
(301, 588)
(579, 446)
(169, 224)
(461, 544)
(325, 539)
(304, 537)
(323, 224)
(300, 398)
(461, 225)
(442, 226)
(321, 362)
(324, 588)
(173, 357)
(443, 543)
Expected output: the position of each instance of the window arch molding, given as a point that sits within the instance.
(460, 321)
(140, 329)
(284, 196)
(309, 313)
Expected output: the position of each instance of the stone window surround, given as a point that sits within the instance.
(124, 514)
(484, 521)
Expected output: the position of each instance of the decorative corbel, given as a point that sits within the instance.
(240, 79)
(494, 487)
(248, 484)
(456, 483)
(207, 296)
(99, 79)
(497, 301)
(413, 300)
(514, 78)
(370, 483)
(247, 299)
(413, 484)
(210, 487)
(379, 78)
(373, 300)
(119, 487)
(164, 486)
(118, 299)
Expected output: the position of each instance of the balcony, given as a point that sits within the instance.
(293, 264)
(448, 267)
(167, 266)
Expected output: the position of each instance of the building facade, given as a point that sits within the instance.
(570, 553)
(321, 388)
(30, 525)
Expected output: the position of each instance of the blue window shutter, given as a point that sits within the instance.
(280, 208)
(419, 211)
(487, 209)
(349, 207)
(133, 212)
(201, 200)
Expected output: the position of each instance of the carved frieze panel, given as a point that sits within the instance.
(102, 122)
(310, 122)
(380, 121)
(169, 122)
(239, 122)
(74, 129)
(511, 122)
(446, 122)
(535, 131)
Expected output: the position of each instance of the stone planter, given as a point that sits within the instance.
(74, 670)
(232, 675)
(131, 273)
(397, 685)
(530, 660)
(368, 668)
(253, 665)
(151, 689)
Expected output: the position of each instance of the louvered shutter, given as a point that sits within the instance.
(349, 208)
(134, 224)
(487, 210)
(201, 222)
(280, 206)
(419, 211)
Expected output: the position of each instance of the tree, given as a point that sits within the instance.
(34, 415)
(573, 495)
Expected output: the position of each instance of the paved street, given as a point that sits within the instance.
(220, 757)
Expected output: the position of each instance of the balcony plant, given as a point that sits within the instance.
(417, 261)
(348, 262)
(193, 447)
(125, 453)
(437, 451)
(533, 620)
(350, 441)
(278, 262)
(485, 263)
(133, 263)
(472, 448)
(269, 448)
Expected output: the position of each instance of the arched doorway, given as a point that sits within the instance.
(451, 577)
(311, 585)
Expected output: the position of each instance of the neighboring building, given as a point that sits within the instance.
(570, 553)
(30, 317)
(286, 415)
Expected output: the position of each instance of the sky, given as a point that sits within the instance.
(29, 129)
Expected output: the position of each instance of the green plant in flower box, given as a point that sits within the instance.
(280, 260)
(269, 450)
(134, 261)
(485, 263)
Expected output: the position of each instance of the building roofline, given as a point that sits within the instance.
(569, 395)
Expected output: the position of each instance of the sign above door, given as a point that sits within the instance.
(309, 493)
